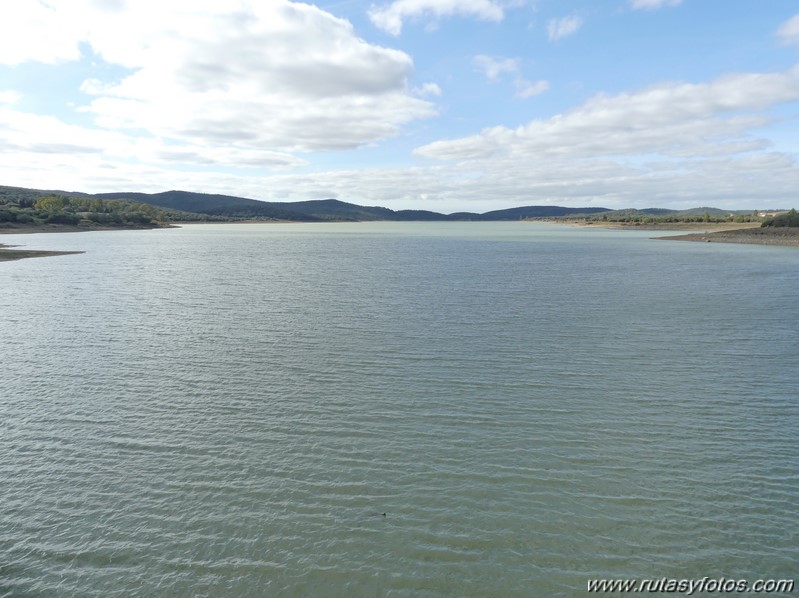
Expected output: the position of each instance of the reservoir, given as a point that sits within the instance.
(394, 409)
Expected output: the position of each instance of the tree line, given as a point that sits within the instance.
(78, 211)
(789, 218)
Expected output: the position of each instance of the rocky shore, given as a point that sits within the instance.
(756, 236)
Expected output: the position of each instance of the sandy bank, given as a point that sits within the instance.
(756, 236)
(7, 253)
(687, 226)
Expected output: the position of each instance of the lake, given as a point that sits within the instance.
(394, 409)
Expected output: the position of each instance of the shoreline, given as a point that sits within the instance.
(749, 233)
(777, 236)
(704, 227)
(30, 229)
(8, 253)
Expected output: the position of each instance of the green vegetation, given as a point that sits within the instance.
(788, 219)
(20, 206)
(27, 207)
(218, 207)
(660, 216)
(74, 211)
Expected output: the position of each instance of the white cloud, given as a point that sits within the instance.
(745, 181)
(730, 176)
(527, 89)
(653, 4)
(789, 31)
(669, 119)
(27, 133)
(672, 144)
(391, 17)
(494, 67)
(428, 89)
(94, 86)
(560, 28)
(9, 97)
(36, 31)
(259, 77)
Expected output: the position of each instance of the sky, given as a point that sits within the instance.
(445, 105)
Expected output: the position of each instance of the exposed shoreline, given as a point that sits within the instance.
(750, 233)
(30, 229)
(8, 253)
(705, 227)
(782, 236)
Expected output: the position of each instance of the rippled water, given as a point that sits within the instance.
(459, 409)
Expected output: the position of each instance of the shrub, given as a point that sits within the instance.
(62, 218)
(100, 218)
(788, 219)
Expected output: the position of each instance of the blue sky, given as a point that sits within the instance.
(445, 105)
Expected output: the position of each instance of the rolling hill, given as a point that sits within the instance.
(182, 204)
(322, 210)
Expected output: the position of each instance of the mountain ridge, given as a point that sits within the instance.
(182, 204)
(315, 210)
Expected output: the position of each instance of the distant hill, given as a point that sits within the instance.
(333, 209)
(537, 212)
(215, 205)
(320, 210)
(182, 204)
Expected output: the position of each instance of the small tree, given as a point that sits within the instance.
(51, 203)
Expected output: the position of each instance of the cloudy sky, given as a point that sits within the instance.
(431, 104)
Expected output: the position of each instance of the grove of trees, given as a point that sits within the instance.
(62, 209)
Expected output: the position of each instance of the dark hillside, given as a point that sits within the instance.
(221, 207)
(217, 205)
(536, 212)
(333, 209)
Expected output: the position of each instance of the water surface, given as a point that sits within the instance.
(231, 409)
